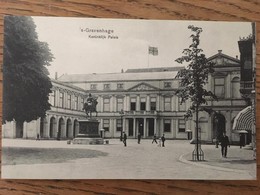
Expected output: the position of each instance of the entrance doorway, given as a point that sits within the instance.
(150, 127)
(131, 127)
(140, 128)
(219, 126)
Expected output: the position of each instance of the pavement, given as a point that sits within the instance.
(137, 161)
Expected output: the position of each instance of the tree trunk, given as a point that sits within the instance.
(19, 129)
(197, 131)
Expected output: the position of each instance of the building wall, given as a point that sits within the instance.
(165, 117)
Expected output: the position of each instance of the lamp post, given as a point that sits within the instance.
(121, 114)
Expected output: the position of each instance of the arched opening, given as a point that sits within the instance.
(69, 133)
(75, 128)
(53, 127)
(203, 126)
(43, 124)
(219, 126)
(61, 129)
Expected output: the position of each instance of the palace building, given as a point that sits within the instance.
(138, 101)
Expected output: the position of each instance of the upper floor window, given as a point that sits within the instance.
(120, 85)
(81, 103)
(153, 104)
(52, 98)
(143, 103)
(61, 102)
(76, 103)
(235, 86)
(93, 86)
(106, 86)
(219, 89)
(133, 104)
(106, 104)
(182, 106)
(167, 84)
(119, 104)
(167, 104)
(69, 101)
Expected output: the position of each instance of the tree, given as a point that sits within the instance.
(26, 85)
(194, 78)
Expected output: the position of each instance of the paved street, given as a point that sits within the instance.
(136, 161)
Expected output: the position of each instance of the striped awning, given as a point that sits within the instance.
(243, 121)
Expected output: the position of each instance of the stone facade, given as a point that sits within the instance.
(138, 100)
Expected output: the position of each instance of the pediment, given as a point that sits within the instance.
(143, 87)
(222, 59)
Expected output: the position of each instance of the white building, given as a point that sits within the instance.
(147, 99)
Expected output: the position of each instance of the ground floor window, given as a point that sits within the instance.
(167, 125)
(181, 125)
(118, 124)
(106, 124)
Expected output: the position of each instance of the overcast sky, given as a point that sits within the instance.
(76, 51)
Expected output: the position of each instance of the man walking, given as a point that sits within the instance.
(154, 139)
(224, 143)
(163, 140)
(139, 138)
(124, 138)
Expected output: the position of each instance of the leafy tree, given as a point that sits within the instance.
(26, 85)
(194, 78)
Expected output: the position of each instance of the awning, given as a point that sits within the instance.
(243, 121)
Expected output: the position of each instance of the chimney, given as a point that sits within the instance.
(122, 70)
(219, 51)
(56, 75)
(237, 57)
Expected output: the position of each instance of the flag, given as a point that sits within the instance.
(153, 51)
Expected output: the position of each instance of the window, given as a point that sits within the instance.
(182, 106)
(69, 102)
(106, 104)
(76, 103)
(93, 86)
(106, 124)
(118, 124)
(235, 86)
(167, 84)
(119, 104)
(167, 125)
(220, 87)
(153, 104)
(61, 103)
(133, 104)
(143, 104)
(167, 104)
(106, 86)
(52, 98)
(81, 103)
(181, 125)
(120, 85)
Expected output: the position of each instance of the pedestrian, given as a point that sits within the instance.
(139, 138)
(224, 143)
(38, 137)
(241, 140)
(124, 138)
(154, 139)
(163, 140)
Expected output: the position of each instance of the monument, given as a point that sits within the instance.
(88, 128)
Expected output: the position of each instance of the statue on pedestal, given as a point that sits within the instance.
(90, 106)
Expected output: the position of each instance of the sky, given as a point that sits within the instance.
(79, 49)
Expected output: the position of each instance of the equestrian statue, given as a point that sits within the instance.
(90, 106)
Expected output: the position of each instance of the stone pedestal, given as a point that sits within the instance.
(88, 133)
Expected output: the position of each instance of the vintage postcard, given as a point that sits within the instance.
(87, 98)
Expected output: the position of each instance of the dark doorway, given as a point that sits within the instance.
(150, 127)
(219, 126)
(19, 129)
(52, 128)
(140, 126)
(131, 127)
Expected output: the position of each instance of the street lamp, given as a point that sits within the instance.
(121, 114)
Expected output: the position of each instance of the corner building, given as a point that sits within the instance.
(140, 100)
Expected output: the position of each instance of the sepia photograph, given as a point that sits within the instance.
(93, 98)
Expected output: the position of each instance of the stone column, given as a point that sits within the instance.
(145, 129)
(148, 106)
(155, 125)
(138, 103)
(134, 127)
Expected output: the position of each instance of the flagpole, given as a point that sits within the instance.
(148, 53)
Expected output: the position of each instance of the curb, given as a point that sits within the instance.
(183, 160)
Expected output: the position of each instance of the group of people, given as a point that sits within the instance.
(161, 140)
